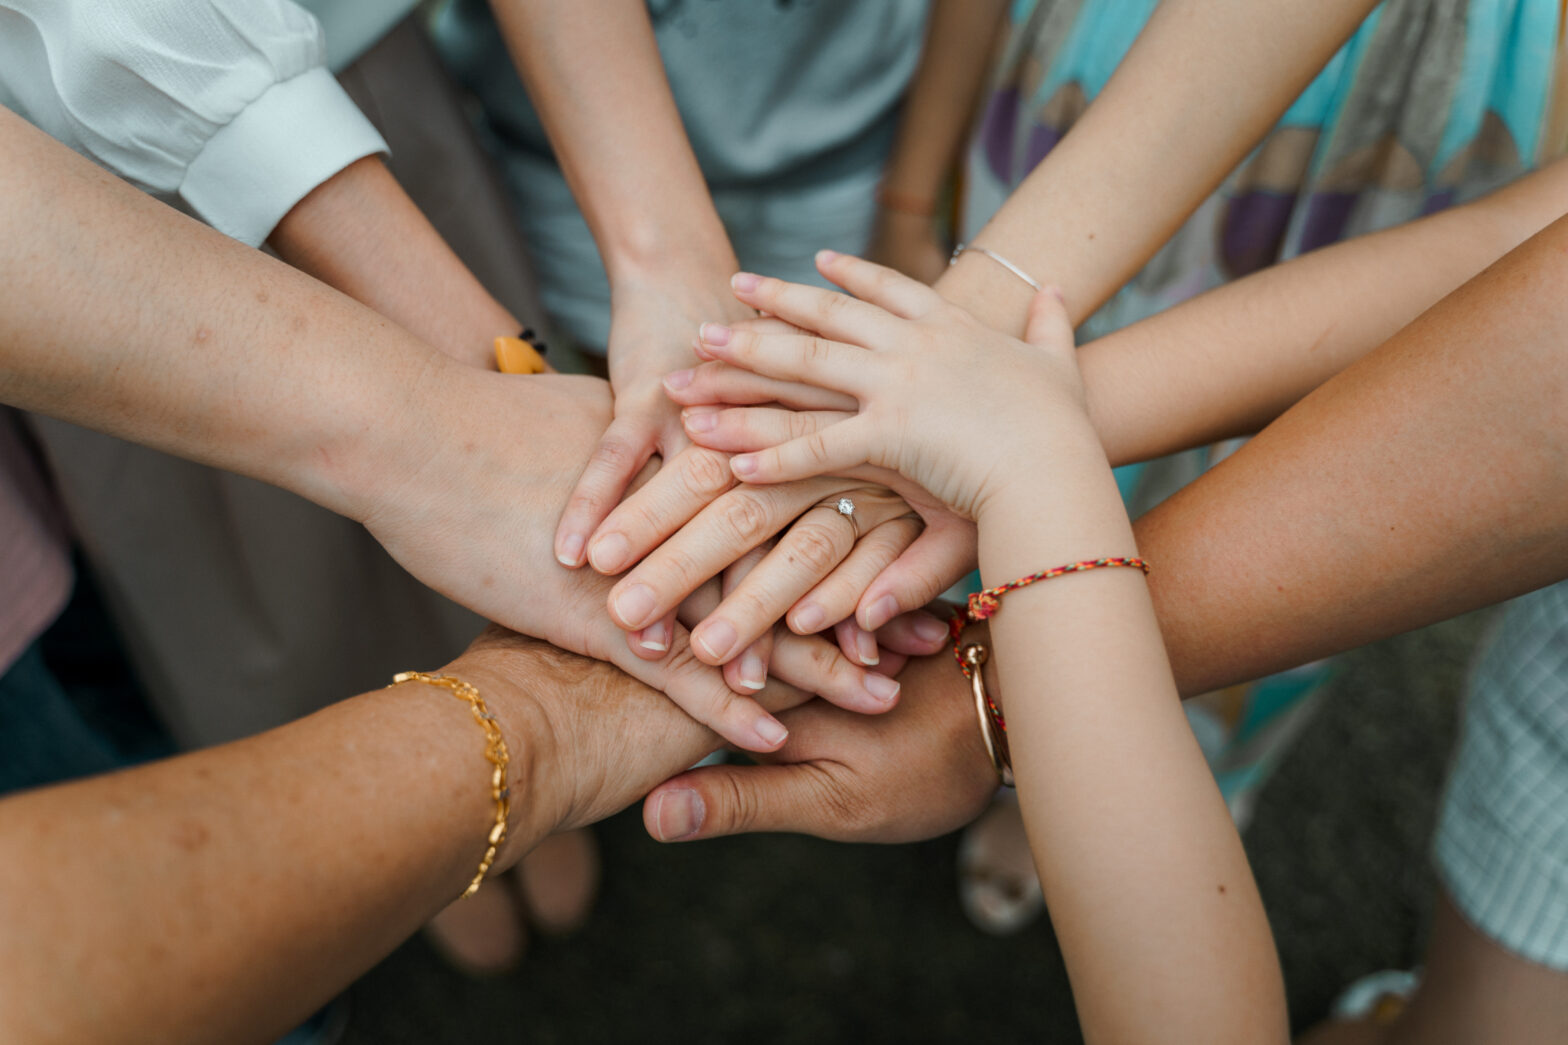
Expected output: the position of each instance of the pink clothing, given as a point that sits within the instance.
(35, 563)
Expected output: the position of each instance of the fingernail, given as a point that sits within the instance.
(752, 674)
(826, 257)
(928, 629)
(653, 638)
(609, 553)
(745, 281)
(866, 649)
(678, 814)
(744, 465)
(700, 420)
(811, 619)
(634, 605)
(881, 611)
(881, 687)
(771, 731)
(717, 638)
(571, 553)
(678, 379)
(717, 334)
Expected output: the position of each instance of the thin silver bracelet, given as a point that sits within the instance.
(994, 256)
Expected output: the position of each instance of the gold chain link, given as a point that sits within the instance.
(495, 753)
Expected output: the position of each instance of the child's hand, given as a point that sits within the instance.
(942, 399)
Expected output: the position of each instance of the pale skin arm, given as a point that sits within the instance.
(359, 232)
(625, 154)
(222, 895)
(937, 112)
(1202, 83)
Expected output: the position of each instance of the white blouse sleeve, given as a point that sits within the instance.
(224, 104)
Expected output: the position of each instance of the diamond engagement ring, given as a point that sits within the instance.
(845, 507)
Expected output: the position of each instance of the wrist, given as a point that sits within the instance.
(538, 806)
(988, 292)
(392, 425)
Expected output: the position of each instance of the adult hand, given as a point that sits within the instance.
(651, 332)
(690, 521)
(465, 503)
(919, 771)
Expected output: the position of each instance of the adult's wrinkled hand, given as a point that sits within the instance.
(919, 771)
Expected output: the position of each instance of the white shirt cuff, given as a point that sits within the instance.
(293, 137)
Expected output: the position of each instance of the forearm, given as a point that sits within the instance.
(222, 895)
(231, 891)
(1427, 479)
(619, 138)
(360, 232)
(1143, 872)
(1230, 361)
(1199, 87)
(942, 98)
(119, 314)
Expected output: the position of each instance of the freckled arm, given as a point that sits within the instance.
(119, 314)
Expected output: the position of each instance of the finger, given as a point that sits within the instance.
(653, 642)
(703, 694)
(807, 552)
(728, 800)
(721, 533)
(916, 634)
(815, 665)
(625, 448)
(748, 672)
(937, 560)
(1049, 326)
(688, 483)
(856, 643)
(716, 382)
(836, 597)
(881, 286)
(804, 358)
(831, 451)
(738, 430)
(827, 312)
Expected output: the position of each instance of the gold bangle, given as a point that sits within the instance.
(495, 753)
(992, 730)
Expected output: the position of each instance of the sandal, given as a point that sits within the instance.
(997, 884)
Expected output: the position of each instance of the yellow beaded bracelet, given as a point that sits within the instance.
(495, 753)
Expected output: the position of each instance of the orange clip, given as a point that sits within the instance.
(513, 355)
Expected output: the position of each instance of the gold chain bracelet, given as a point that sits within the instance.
(495, 753)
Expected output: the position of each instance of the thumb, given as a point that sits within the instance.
(1049, 324)
(729, 800)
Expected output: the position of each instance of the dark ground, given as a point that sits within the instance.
(788, 939)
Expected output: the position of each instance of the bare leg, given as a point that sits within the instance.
(1473, 993)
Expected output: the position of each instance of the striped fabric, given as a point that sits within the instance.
(1502, 841)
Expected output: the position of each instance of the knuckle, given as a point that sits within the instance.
(736, 805)
(814, 548)
(615, 455)
(707, 472)
(747, 517)
(817, 447)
